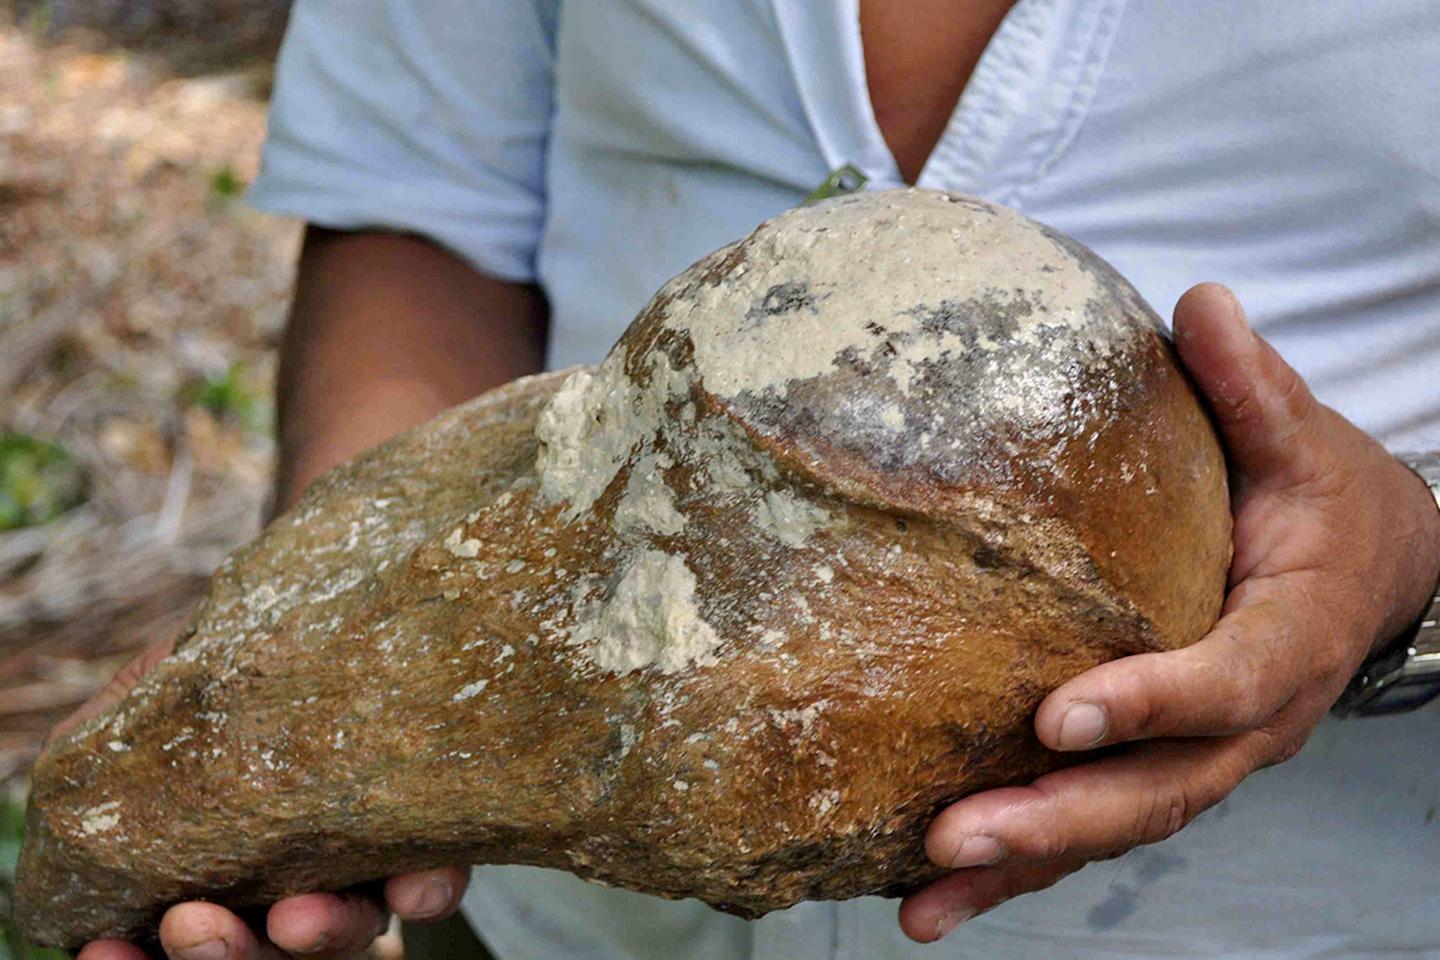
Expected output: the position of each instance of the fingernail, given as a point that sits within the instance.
(208, 950)
(952, 920)
(1238, 311)
(1242, 335)
(322, 941)
(434, 898)
(1083, 726)
(977, 850)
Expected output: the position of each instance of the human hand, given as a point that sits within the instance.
(313, 925)
(1337, 550)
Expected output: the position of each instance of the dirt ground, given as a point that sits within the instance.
(140, 304)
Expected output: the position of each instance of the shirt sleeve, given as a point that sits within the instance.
(425, 116)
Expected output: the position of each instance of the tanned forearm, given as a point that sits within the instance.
(385, 332)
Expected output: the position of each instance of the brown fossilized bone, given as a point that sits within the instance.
(730, 616)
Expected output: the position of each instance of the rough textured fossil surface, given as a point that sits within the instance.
(730, 616)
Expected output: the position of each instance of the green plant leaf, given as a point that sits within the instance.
(39, 481)
(230, 396)
(225, 187)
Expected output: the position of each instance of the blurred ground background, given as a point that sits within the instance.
(140, 304)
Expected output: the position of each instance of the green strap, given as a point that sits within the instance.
(843, 180)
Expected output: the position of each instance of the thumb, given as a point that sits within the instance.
(1264, 411)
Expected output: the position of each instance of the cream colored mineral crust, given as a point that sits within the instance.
(819, 287)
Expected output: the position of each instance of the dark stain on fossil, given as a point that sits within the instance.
(782, 298)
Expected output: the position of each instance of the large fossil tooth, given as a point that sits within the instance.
(730, 616)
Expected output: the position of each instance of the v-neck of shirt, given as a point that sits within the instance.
(1023, 104)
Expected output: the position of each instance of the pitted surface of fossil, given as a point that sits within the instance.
(731, 615)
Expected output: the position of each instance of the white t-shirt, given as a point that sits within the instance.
(1290, 150)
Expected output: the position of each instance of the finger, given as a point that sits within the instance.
(114, 691)
(323, 925)
(1262, 407)
(1235, 678)
(110, 950)
(1099, 808)
(931, 913)
(207, 931)
(429, 895)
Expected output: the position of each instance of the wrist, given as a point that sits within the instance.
(1402, 671)
(1420, 551)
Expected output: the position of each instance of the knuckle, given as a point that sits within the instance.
(1161, 815)
(1292, 397)
(1235, 689)
(1244, 711)
(1285, 401)
(1245, 701)
(1051, 843)
(1335, 665)
(1242, 407)
(1257, 678)
(57, 731)
(117, 687)
(1222, 692)
(1288, 749)
(1148, 714)
(1047, 838)
(1278, 747)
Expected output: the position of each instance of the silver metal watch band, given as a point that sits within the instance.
(1408, 675)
